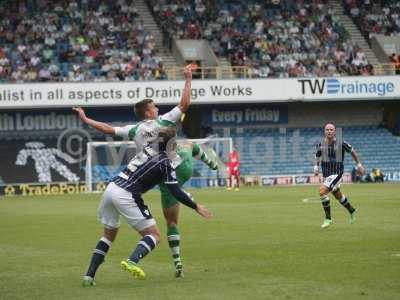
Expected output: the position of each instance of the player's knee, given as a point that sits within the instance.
(323, 191)
(171, 220)
(338, 195)
(157, 236)
(153, 231)
(172, 223)
(171, 215)
(110, 233)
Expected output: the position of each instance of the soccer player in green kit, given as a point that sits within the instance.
(184, 171)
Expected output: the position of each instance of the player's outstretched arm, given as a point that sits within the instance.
(99, 126)
(187, 200)
(185, 99)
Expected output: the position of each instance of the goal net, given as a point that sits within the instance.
(106, 159)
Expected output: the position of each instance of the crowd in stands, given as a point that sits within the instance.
(77, 40)
(378, 17)
(273, 38)
(98, 40)
(375, 16)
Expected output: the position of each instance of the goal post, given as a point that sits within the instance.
(107, 158)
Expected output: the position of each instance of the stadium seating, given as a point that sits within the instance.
(44, 40)
(77, 40)
(375, 17)
(288, 39)
(291, 151)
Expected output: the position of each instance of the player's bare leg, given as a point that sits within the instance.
(323, 193)
(345, 202)
(110, 233)
(171, 215)
(99, 253)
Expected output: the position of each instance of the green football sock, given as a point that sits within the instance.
(174, 244)
(200, 154)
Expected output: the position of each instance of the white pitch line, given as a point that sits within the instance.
(311, 200)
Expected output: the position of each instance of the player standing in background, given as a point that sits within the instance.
(233, 170)
(330, 155)
(123, 196)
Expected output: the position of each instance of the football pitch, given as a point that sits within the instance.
(263, 243)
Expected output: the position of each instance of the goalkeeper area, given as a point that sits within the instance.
(263, 243)
(106, 159)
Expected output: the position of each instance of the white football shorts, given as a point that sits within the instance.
(332, 182)
(118, 202)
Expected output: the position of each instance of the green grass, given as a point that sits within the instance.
(263, 243)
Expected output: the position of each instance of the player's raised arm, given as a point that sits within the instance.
(99, 126)
(174, 115)
(185, 99)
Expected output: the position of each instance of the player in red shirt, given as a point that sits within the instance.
(233, 169)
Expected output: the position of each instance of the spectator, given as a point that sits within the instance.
(395, 59)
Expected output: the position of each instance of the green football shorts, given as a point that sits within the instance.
(183, 174)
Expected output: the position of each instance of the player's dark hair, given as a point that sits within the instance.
(166, 137)
(167, 133)
(141, 108)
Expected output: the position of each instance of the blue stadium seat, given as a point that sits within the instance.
(264, 159)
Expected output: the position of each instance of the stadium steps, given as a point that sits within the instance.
(355, 34)
(227, 72)
(150, 25)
